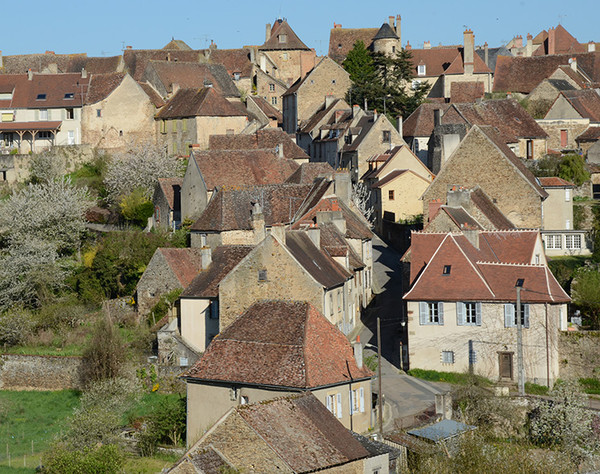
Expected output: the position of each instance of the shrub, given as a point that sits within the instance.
(572, 168)
(15, 327)
(136, 207)
(106, 353)
(165, 303)
(106, 459)
(166, 424)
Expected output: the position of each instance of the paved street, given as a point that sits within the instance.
(404, 396)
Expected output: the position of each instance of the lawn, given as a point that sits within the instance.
(449, 377)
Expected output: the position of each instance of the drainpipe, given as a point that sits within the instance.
(547, 348)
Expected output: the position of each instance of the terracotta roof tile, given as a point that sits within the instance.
(206, 102)
(234, 60)
(267, 108)
(262, 139)
(280, 344)
(43, 90)
(21, 63)
(586, 102)
(185, 263)
(136, 60)
(307, 172)
(274, 43)
(342, 40)
(206, 283)
(591, 134)
(555, 182)
(102, 85)
(154, 96)
(466, 91)
(420, 122)
(96, 65)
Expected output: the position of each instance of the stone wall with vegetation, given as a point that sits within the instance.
(29, 372)
(578, 352)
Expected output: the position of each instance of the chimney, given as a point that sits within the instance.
(168, 56)
(338, 115)
(213, 45)
(427, 45)
(458, 196)
(473, 236)
(342, 187)
(399, 119)
(278, 231)
(591, 49)
(258, 223)
(529, 47)
(314, 233)
(324, 217)
(30, 74)
(486, 54)
(375, 116)
(436, 117)
(408, 46)
(263, 63)
(206, 257)
(268, 32)
(252, 55)
(468, 51)
(83, 73)
(339, 222)
(391, 21)
(355, 109)
(398, 29)
(358, 352)
(573, 63)
(128, 47)
(518, 42)
(551, 41)
(280, 150)
(329, 98)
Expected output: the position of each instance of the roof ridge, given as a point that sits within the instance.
(512, 264)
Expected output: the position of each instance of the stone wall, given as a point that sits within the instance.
(579, 354)
(27, 372)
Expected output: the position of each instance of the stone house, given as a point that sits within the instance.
(167, 203)
(482, 158)
(266, 114)
(294, 434)
(560, 238)
(209, 169)
(462, 313)
(198, 304)
(277, 348)
(192, 115)
(311, 130)
(587, 140)
(419, 126)
(269, 88)
(39, 111)
(570, 115)
(565, 78)
(304, 98)
(239, 64)
(169, 269)
(117, 112)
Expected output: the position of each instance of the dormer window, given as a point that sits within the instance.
(69, 95)
(41, 97)
(421, 69)
(282, 38)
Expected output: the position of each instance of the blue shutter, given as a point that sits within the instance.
(423, 313)
(361, 392)
(339, 405)
(526, 315)
(478, 314)
(440, 313)
(509, 315)
(460, 314)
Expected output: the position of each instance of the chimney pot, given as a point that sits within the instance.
(268, 32)
(83, 73)
(30, 74)
(391, 21)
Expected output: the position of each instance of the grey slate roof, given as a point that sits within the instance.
(385, 32)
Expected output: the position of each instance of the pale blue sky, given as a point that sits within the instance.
(101, 28)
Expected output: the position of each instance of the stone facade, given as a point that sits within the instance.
(194, 194)
(559, 129)
(27, 372)
(579, 354)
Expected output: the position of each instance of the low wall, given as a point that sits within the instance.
(28, 372)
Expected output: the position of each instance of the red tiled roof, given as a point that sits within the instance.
(487, 273)
(206, 282)
(233, 168)
(281, 27)
(136, 60)
(53, 90)
(262, 139)
(96, 65)
(280, 344)
(466, 91)
(267, 108)
(21, 63)
(206, 102)
(234, 60)
(167, 185)
(342, 40)
(444, 60)
(586, 102)
(420, 122)
(591, 134)
(102, 85)
(185, 263)
(14, 126)
(555, 182)
(307, 172)
(151, 92)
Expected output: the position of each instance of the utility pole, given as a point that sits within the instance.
(380, 397)
(520, 370)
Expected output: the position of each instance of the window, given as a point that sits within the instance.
(8, 117)
(447, 269)
(331, 304)
(262, 275)
(230, 131)
(334, 404)
(120, 133)
(431, 313)
(554, 241)
(415, 84)
(273, 100)
(468, 314)
(99, 113)
(43, 114)
(44, 134)
(510, 315)
(573, 242)
(69, 96)
(71, 137)
(213, 310)
(391, 194)
(529, 149)
(163, 125)
(421, 69)
(339, 45)
(447, 357)
(333, 81)
(393, 49)
(564, 138)
(6, 95)
(357, 400)
(567, 194)
(157, 213)
(271, 87)
(282, 38)
(70, 114)
(285, 56)
(567, 224)
(184, 124)
(339, 301)
(244, 400)
(386, 136)
(236, 76)
(41, 97)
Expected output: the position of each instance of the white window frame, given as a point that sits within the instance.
(573, 242)
(447, 357)
(553, 241)
(334, 404)
(431, 313)
(71, 137)
(421, 69)
(510, 316)
(567, 194)
(357, 400)
(44, 114)
(468, 313)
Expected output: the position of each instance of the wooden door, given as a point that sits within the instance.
(506, 365)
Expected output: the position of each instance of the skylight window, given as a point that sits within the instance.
(69, 95)
(447, 269)
(41, 97)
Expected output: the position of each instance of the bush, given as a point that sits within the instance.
(572, 168)
(106, 459)
(136, 207)
(106, 353)
(165, 303)
(15, 327)
(166, 424)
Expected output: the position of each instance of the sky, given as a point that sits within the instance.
(105, 27)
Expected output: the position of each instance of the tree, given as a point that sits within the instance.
(572, 168)
(136, 207)
(106, 353)
(46, 167)
(139, 166)
(585, 292)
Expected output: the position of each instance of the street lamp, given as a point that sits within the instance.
(521, 372)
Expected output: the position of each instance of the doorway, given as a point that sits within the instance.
(506, 365)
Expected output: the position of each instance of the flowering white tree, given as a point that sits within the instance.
(139, 166)
(361, 197)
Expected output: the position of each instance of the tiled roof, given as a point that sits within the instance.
(307, 172)
(53, 90)
(393, 175)
(508, 116)
(574, 75)
(14, 126)
(461, 218)
(318, 264)
(262, 139)
(231, 209)
(102, 85)
(342, 40)
(281, 27)
(586, 102)
(154, 96)
(242, 167)
(564, 42)
(280, 344)
(522, 74)
(177, 45)
(206, 283)
(206, 102)
(267, 108)
(21, 63)
(444, 60)
(335, 245)
(312, 122)
(420, 122)
(466, 91)
(364, 125)
(555, 182)
(234, 60)
(96, 65)
(167, 185)
(356, 228)
(190, 75)
(485, 274)
(490, 210)
(185, 263)
(136, 60)
(591, 134)
(493, 54)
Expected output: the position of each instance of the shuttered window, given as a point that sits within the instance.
(510, 316)
(431, 313)
(468, 314)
